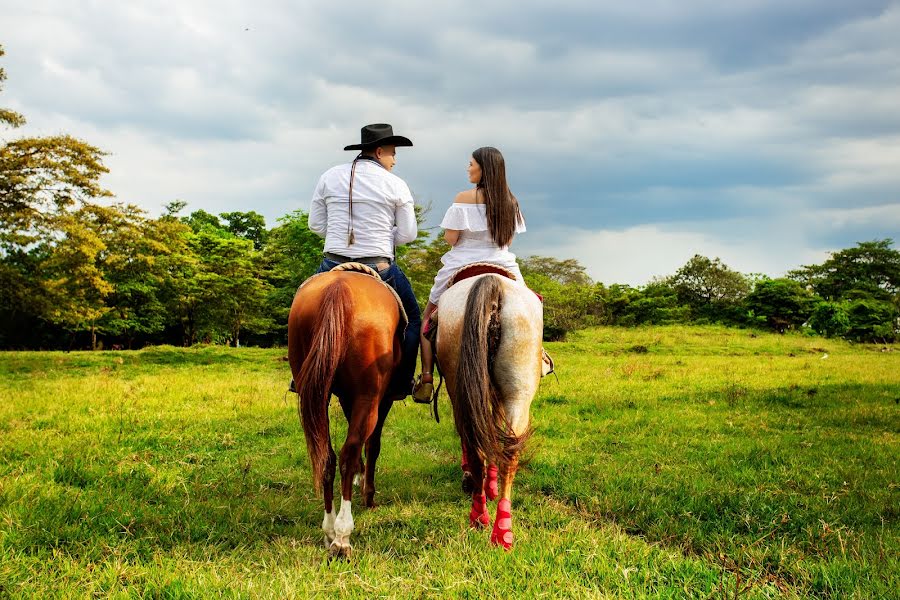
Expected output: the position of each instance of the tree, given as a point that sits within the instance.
(709, 287)
(247, 225)
(45, 244)
(782, 303)
(571, 300)
(234, 292)
(130, 263)
(9, 117)
(872, 321)
(200, 219)
(870, 270)
(656, 303)
(565, 272)
(75, 283)
(830, 319)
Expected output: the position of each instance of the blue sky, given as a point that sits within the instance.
(636, 134)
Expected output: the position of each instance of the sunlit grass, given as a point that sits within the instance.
(668, 462)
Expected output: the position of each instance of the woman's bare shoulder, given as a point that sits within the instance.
(468, 197)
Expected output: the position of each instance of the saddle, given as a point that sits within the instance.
(479, 268)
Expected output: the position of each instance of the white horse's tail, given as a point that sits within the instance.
(481, 420)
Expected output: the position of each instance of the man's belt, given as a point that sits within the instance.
(379, 262)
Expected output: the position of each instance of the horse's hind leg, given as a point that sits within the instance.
(473, 483)
(373, 449)
(328, 484)
(348, 414)
(502, 534)
(365, 417)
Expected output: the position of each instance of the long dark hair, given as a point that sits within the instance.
(501, 206)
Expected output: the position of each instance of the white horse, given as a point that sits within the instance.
(489, 345)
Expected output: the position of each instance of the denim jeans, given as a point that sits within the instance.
(396, 278)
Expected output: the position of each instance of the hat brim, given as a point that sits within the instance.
(393, 140)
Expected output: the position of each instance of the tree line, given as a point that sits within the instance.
(79, 270)
(854, 294)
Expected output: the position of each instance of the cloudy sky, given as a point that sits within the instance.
(636, 134)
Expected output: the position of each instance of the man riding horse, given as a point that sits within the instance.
(363, 211)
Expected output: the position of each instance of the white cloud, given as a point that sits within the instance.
(699, 124)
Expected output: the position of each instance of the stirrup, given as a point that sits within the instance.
(423, 390)
(547, 364)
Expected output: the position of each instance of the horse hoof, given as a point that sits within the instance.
(479, 517)
(504, 539)
(479, 521)
(341, 551)
(468, 482)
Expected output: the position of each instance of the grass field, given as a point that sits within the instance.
(667, 462)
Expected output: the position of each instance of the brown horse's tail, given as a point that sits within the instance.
(478, 408)
(328, 344)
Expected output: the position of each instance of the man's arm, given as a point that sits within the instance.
(406, 229)
(318, 212)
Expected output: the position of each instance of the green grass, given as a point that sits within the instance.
(668, 462)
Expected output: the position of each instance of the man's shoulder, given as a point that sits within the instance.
(396, 182)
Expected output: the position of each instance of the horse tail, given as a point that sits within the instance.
(478, 411)
(328, 345)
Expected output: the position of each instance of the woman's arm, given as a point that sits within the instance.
(451, 236)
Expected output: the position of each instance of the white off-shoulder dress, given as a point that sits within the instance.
(474, 245)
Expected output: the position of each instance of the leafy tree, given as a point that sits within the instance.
(293, 253)
(8, 117)
(870, 270)
(830, 319)
(421, 263)
(180, 291)
(571, 300)
(247, 225)
(130, 263)
(709, 287)
(782, 303)
(872, 321)
(565, 272)
(234, 291)
(656, 303)
(75, 282)
(48, 254)
(200, 219)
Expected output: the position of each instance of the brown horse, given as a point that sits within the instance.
(489, 345)
(344, 337)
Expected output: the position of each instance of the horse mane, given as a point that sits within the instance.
(328, 344)
(478, 410)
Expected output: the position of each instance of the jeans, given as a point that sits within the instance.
(394, 277)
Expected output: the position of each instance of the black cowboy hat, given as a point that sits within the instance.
(379, 134)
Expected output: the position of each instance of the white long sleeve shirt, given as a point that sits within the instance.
(383, 214)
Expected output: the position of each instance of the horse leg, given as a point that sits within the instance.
(348, 414)
(468, 481)
(328, 520)
(490, 482)
(358, 431)
(478, 515)
(373, 449)
(502, 534)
